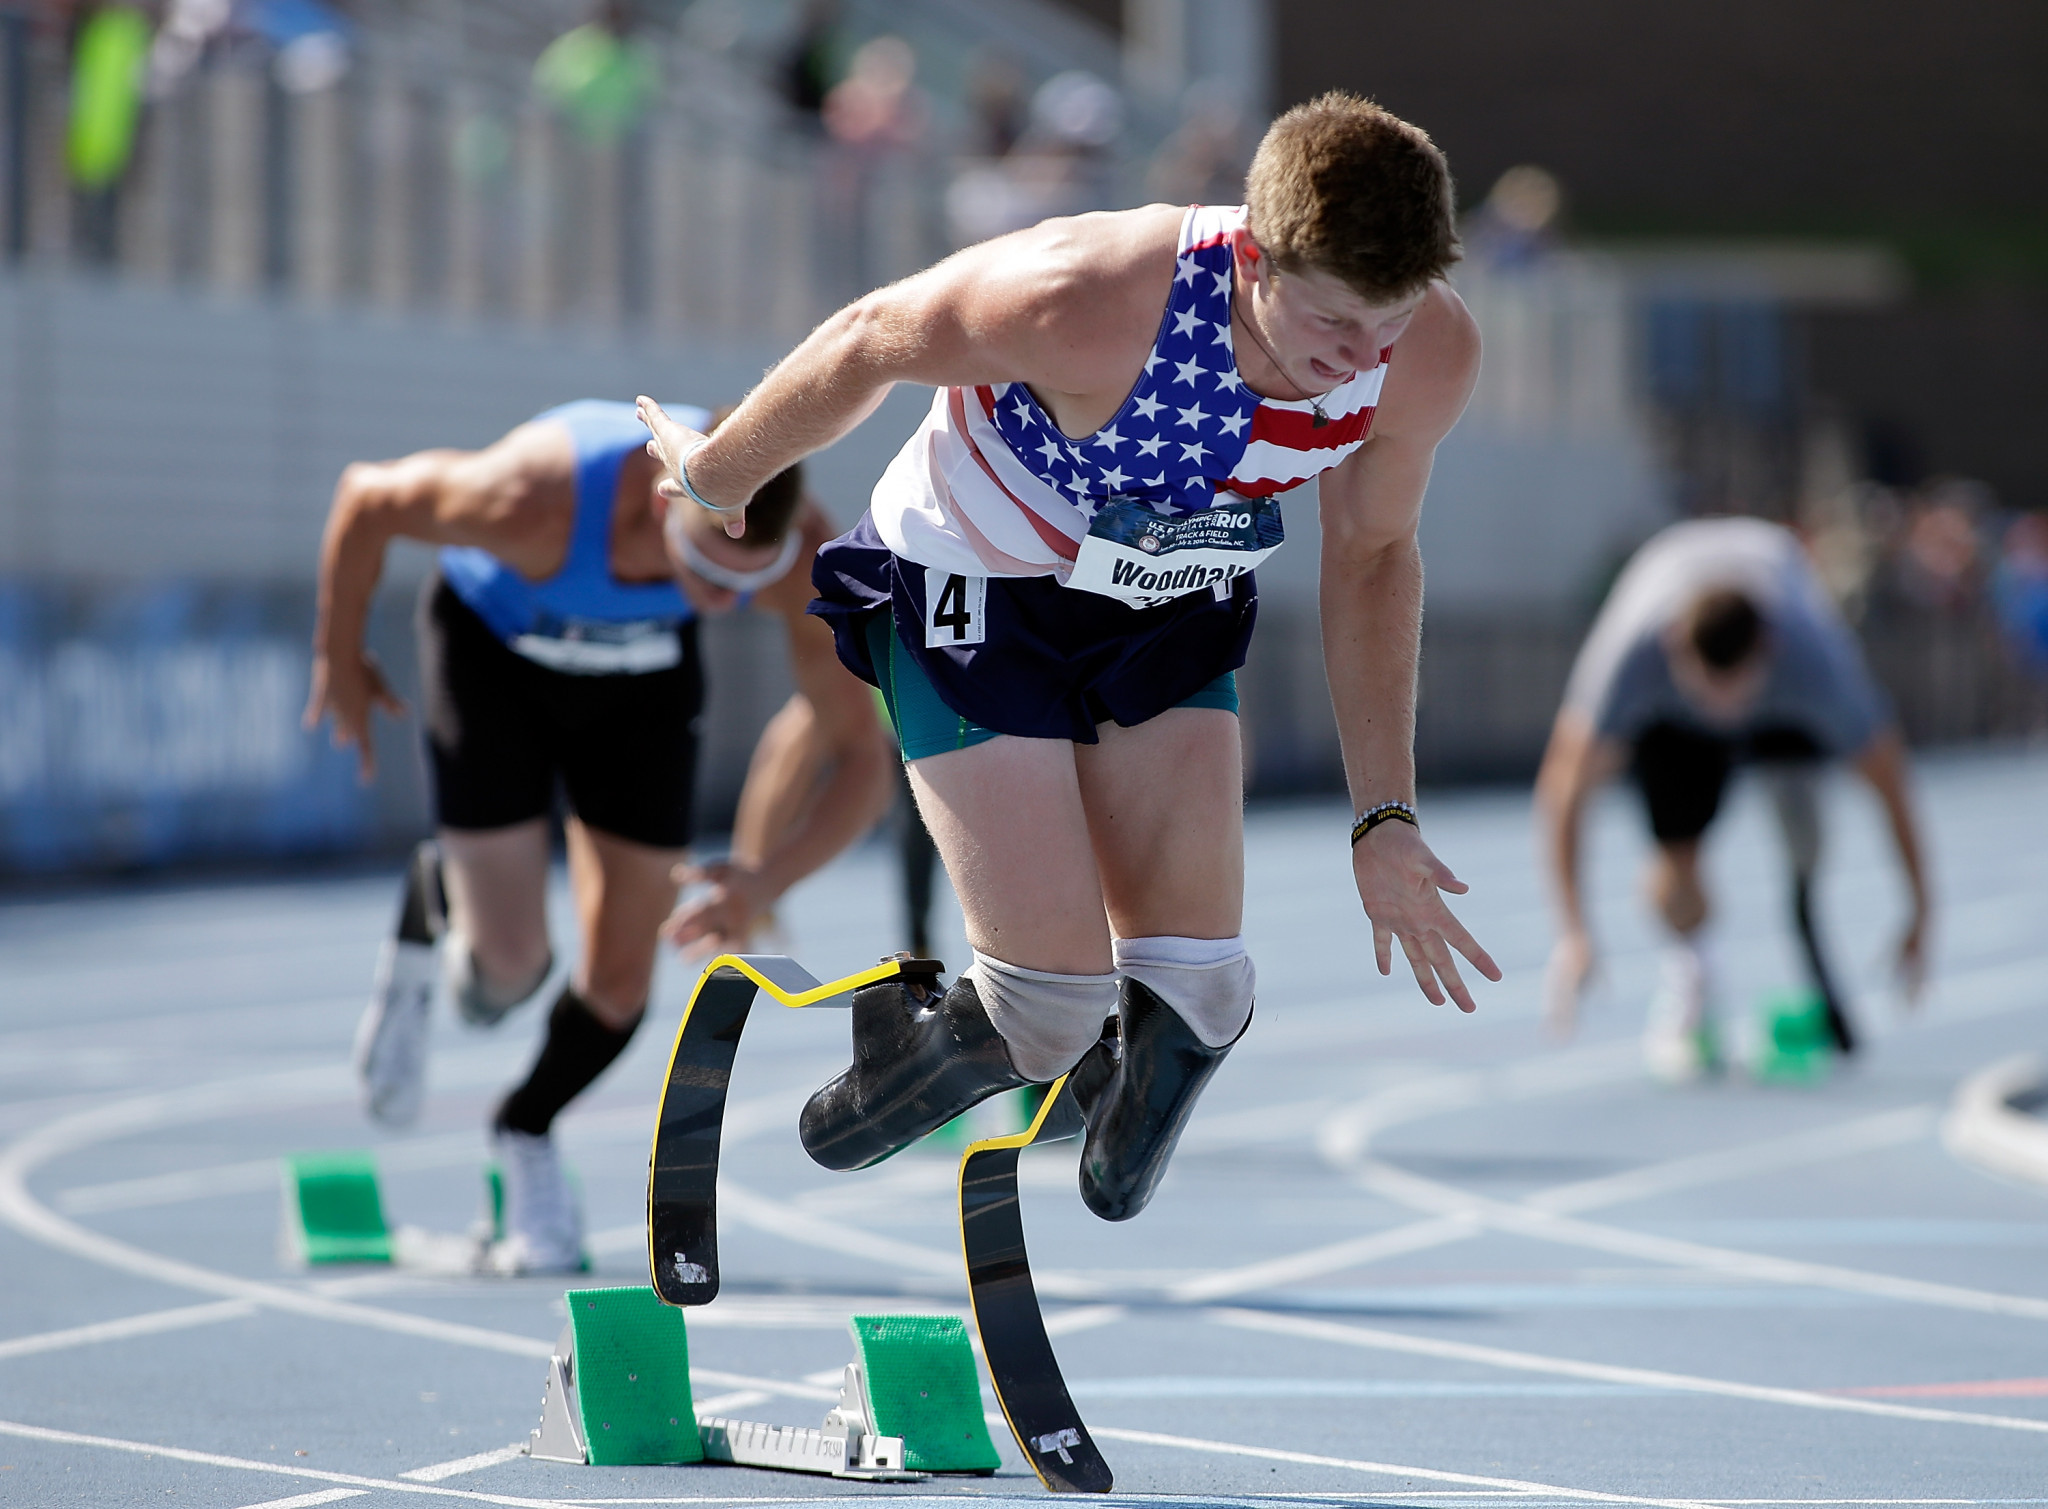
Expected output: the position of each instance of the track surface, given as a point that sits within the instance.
(1405, 1257)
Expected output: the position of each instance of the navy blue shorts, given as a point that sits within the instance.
(1054, 662)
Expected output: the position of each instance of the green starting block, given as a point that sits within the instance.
(915, 1379)
(618, 1392)
(1795, 1044)
(618, 1389)
(332, 1212)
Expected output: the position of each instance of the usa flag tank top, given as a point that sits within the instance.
(988, 485)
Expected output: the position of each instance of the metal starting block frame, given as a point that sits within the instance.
(682, 1209)
(846, 1445)
(618, 1393)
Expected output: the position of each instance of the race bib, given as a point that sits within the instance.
(955, 608)
(1142, 557)
(590, 647)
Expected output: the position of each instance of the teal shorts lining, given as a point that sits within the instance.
(926, 726)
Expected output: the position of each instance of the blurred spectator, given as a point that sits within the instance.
(1518, 223)
(1063, 164)
(808, 65)
(876, 107)
(108, 67)
(1939, 563)
(599, 77)
(875, 119)
(1203, 162)
(2020, 590)
(997, 104)
(188, 25)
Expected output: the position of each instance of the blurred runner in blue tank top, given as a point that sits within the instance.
(558, 653)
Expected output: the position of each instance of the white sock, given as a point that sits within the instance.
(1047, 1021)
(1685, 993)
(1209, 981)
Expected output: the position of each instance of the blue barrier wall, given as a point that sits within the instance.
(152, 723)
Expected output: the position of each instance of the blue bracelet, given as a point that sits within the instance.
(683, 481)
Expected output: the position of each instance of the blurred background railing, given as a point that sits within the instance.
(247, 241)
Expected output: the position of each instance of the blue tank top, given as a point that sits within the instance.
(583, 592)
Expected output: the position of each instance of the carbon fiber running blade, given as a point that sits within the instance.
(1029, 1385)
(682, 1171)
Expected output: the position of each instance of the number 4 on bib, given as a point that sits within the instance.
(954, 609)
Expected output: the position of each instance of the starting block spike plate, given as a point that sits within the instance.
(1021, 1363)
(682, 1169)
(918, 1381)
(332, 1211)
(618, 1389)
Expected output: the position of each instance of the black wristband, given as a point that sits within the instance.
(1385, 812)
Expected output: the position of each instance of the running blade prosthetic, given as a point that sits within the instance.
(1137, 1088)
(391, 1039)
(920, 1058)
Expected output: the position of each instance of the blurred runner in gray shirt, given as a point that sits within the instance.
(1716, 647)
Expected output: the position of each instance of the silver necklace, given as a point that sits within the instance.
(1315, 401)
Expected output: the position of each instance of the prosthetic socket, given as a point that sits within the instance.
(923, 1056)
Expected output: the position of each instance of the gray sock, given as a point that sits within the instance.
(1047, 1021)
(1208, 981)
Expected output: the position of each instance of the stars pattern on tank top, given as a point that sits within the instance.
(1183, 427)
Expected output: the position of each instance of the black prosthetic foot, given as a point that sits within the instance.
(423, 911)
(920, 1058)
(1136, 1089)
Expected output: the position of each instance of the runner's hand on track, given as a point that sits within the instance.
(346, 690)
(1911, 964)
(1572, 964)
(1398, 880)
(725, 917)
(670, 442)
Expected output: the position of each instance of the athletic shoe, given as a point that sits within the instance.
(1157, 1069)
(1681, 1056)
(543, 1228)
(391, 1040)
(1680, 1041)
(919, 1059)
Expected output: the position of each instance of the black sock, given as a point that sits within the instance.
(579, 1047)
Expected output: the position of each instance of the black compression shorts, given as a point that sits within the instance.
(1683, 771)
(501, 731)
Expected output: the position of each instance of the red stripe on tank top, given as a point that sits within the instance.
(1059, 544)
(1296, 431)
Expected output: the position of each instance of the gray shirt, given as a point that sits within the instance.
(1817, 681)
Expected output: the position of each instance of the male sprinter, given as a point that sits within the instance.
(1717, 646)
(1053, 587)
(557, 642)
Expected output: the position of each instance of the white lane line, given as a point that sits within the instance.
(308, 1500)
(725, 1404)
(274, 1469)
(781, 1386)
(1531, 1362)
(156, 1321)
(460, 1465)
(746, 1119)
(1870, 1133)
(1444, 1199)
(23, 1211)
(1084, 1318)
(1385, 1469)
(746, 1208)
(1334, 1258)
(1343, 1139)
